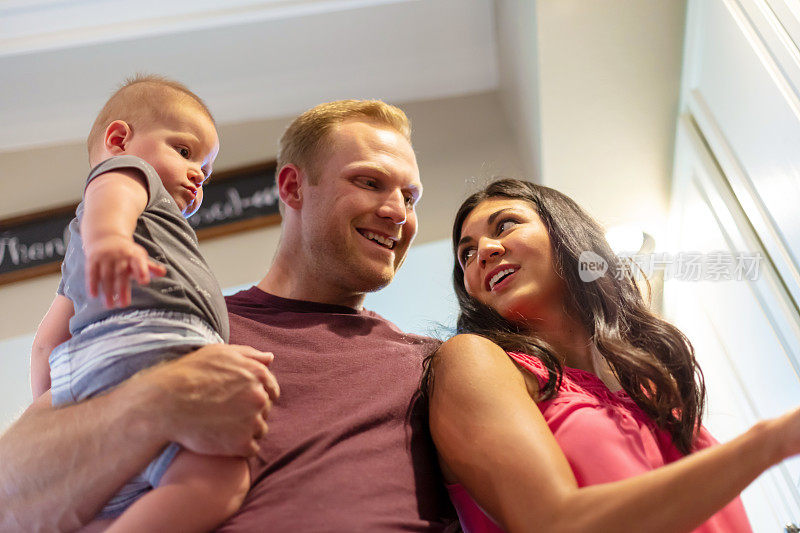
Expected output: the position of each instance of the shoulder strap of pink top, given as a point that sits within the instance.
(532, 365)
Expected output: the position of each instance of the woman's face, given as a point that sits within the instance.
(507, 260)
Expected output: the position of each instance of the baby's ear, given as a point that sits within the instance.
(117, 136)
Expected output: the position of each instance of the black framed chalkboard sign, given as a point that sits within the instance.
(233, 201)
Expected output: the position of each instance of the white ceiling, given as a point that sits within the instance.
(249, 59)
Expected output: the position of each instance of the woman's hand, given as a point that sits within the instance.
(785, 434)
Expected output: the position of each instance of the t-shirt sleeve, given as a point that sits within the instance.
(154, 185)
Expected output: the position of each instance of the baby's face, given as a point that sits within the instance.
(182, 149)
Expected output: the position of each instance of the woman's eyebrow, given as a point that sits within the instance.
(489, 222)
(496, 214)
(463, 240)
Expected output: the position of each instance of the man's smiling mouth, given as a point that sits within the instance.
(386, 242)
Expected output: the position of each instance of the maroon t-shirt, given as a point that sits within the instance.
(348, 448)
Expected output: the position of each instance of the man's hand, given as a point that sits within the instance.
(111, 262)
(215, 400)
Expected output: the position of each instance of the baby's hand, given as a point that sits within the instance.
(111, 262)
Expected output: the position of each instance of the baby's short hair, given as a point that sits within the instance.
(141, 99)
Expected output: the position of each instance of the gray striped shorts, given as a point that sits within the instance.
(106, 353)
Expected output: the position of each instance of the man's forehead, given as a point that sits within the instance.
(371, 145)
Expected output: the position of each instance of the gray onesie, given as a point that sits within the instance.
(170, 317)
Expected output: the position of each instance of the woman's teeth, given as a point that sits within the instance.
(500, 275)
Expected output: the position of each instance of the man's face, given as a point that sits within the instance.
(359, 219)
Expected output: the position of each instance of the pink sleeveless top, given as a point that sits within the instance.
(605, 437)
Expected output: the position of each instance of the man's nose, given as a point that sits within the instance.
(488, 248)
(394, 207)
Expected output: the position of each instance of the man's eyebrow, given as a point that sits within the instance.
(489, 222)
(367, 166)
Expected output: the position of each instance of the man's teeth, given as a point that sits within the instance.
(385, 241)
(500, 275)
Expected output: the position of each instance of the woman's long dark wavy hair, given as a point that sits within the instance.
(653, 361)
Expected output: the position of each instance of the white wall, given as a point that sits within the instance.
(591, 90)
(458, 141)
(735, 190)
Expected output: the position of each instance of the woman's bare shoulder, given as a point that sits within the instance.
(469, 355)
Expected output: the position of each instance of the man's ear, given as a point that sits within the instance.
(118, 135)
(290, 185)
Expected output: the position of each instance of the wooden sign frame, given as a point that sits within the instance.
(236, 200)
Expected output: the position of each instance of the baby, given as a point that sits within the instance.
(152, 148)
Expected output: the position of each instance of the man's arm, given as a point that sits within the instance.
(59, 466)
(53, 330)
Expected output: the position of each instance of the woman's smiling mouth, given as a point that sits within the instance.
(499, 275)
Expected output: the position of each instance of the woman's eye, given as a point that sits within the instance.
(505, 225)
(466, 255)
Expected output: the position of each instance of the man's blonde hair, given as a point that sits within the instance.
(305, 138)
(142, 99)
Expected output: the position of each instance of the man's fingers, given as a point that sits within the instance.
(271, 386)
(265, 358)
(267, 380)
(260, 429)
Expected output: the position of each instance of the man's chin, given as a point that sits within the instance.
(375, 281)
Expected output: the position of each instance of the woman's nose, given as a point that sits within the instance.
(488, 248)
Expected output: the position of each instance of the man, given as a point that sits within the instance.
(348, 449)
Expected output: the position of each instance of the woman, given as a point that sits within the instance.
(566, 405)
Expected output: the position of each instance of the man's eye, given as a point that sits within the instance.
(409, 201)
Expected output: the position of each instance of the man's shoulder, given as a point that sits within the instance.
(413, 338)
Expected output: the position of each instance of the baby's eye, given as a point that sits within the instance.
(183, 151)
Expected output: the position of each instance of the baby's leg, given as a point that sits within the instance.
(196, 493)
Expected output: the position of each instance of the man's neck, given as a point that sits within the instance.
(294, 285)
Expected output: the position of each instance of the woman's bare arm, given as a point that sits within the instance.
(59, 466)
(493, 439)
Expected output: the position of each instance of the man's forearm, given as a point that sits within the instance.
(59, 466)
